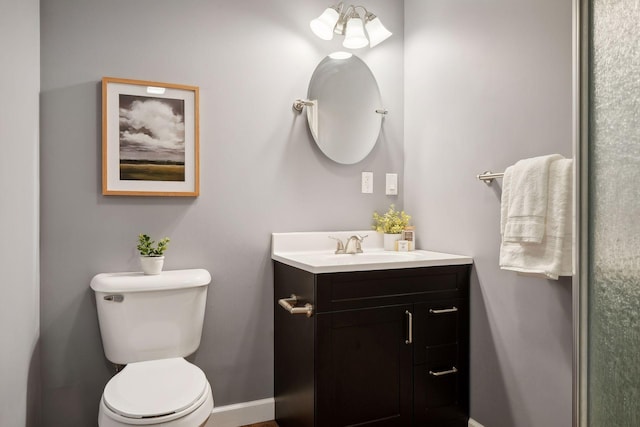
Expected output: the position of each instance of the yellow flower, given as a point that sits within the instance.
(392, 222)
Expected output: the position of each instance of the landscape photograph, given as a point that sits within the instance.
(151, 138)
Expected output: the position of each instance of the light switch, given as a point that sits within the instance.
(367, 182)
(392, 184)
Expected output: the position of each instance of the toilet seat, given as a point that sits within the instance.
(156, 392)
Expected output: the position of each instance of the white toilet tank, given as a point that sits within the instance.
(150, 317)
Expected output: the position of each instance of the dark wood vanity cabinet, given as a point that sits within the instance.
(383, 348)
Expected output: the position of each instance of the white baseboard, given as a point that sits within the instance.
(241, 414)
(474, 423)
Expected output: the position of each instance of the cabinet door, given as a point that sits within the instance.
(364, 368)
(441, 364)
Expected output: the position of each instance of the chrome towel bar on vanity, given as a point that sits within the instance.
(289, 305)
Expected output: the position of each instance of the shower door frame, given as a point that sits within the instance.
(580, 289)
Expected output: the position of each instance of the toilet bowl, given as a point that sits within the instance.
(166, 392)
(149, 324)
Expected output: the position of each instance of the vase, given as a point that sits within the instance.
(390, 241)
(152, 265)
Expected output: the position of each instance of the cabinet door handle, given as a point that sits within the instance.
(443, 311)
(441, 373)
(409, 339)
(289, 305)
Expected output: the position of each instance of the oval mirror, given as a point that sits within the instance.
(346, 113)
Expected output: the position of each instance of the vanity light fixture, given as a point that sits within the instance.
(347, 21)
(340, 55)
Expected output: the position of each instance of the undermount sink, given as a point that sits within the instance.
(315, 253)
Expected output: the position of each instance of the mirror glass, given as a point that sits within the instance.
(343, 118)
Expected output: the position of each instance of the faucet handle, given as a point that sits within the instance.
(340, 247)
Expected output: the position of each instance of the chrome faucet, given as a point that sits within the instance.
(354, 245)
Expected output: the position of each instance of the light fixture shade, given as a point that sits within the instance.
(340, 55)
(354, 34)
(324, 24)
(377, 32)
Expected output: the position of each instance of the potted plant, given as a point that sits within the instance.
(391, 224)
(151, 257)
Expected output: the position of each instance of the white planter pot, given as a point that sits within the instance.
(152, 265)
(390, 241)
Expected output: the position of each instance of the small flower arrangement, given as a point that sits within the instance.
(146, 248)
(392, 222)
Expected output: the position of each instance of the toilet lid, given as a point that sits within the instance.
(155, 388)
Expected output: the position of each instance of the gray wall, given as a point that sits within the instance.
(19, 309)
(260, 173)
(486, 84)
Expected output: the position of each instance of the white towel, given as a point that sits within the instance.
(552, 257)
(527, 210)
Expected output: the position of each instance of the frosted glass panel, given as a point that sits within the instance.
(614, 309)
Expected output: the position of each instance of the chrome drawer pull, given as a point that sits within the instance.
(409, 340)
(289, 305)
(441, 373)
(444, 310)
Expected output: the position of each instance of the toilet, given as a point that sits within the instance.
(150, 323)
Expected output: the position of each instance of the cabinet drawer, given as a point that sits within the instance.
(438, 386)
(345, 291)
(438, 331)
(440, 397)
(441, 356)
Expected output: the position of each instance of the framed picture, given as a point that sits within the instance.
(149, 138)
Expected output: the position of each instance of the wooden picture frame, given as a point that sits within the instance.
(150, 138)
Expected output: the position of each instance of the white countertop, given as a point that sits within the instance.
(314, 252)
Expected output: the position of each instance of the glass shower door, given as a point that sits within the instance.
(613, 380)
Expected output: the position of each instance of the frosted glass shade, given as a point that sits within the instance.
(340, 55)
(324, 24)
(354, 34)
(377, 32)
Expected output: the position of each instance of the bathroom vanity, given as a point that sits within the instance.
(381, 342)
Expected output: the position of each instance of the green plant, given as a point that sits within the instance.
(145, 245)
(392, 222)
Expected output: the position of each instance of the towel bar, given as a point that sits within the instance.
(289, 305)
(488, 176)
